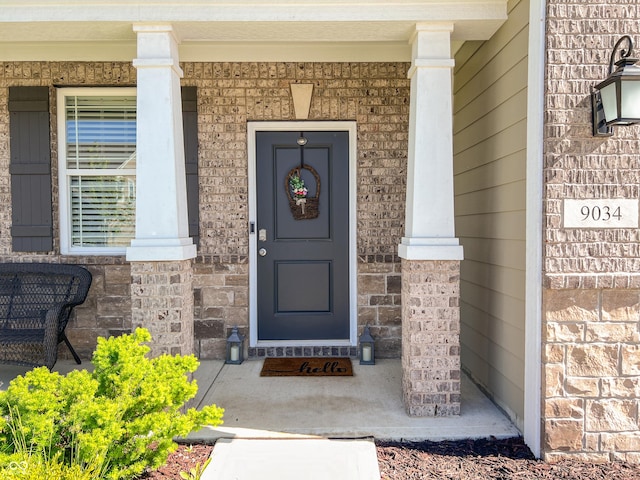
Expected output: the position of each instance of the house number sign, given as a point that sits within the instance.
(601, 213)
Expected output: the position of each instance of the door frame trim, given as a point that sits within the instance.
(286, 126)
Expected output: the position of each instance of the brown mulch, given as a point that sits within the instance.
(486, 459)
(183, 459)
(508, 459)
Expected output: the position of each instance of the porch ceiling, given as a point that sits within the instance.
(239, 29)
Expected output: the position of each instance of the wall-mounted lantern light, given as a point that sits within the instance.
(616, 100)
(235, 347)
(367, 348)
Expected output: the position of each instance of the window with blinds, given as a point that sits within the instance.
(98, 170)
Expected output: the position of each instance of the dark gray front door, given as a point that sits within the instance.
(303, 264)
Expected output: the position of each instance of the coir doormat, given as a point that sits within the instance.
(307, 367)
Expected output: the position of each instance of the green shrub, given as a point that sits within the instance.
(50, 470)
(120, 419)
(27, 463)
(37, 467)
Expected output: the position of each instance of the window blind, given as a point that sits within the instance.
(102, 210)
(101, 132)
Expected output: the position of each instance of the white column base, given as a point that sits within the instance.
(157, 250)
(430, 249)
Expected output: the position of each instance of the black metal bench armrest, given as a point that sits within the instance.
(51, 334)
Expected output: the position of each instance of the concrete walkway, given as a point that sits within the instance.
(293, 459)
(322, 428)
(315, 428)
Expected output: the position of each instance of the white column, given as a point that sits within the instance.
(429, 224)
(162, 231)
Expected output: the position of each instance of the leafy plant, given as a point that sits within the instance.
(50, 469)
(297, 187)
(196, 472)
(28, 462)
(123, 416)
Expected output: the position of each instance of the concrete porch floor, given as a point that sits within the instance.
(369, 404)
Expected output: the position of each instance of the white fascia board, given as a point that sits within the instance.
(255, 10)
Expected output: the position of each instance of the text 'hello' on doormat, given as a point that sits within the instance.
(306, 367)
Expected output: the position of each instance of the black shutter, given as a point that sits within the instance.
(30, 168)
(190, 128)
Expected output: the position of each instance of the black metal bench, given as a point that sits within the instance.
(36, 300)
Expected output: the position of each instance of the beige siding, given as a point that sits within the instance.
(490, 104)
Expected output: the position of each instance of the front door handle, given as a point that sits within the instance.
(262, 252)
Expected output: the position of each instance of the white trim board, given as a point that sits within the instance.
(533, 393)
(252, 128)
(66, 246)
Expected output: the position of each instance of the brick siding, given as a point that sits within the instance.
(230, 94)
(375, 95)
(591, 282)
(162, 302)
(431, 337)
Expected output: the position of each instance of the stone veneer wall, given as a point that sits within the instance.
(375, 95)
(221, 301)
(105, 312)
(591, 282)
(162, 302)
(592, 373)
(430, 335)
(380, 301)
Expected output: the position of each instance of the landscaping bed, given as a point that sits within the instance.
(508, 459)
(486, 459)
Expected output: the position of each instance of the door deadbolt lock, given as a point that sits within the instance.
(262, 252)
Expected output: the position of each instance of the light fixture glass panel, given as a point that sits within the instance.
(631, 100)
(609, 104)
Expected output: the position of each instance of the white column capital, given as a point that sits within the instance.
(431, 41)
(434, 27)
(152, 27)
(157, 47)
